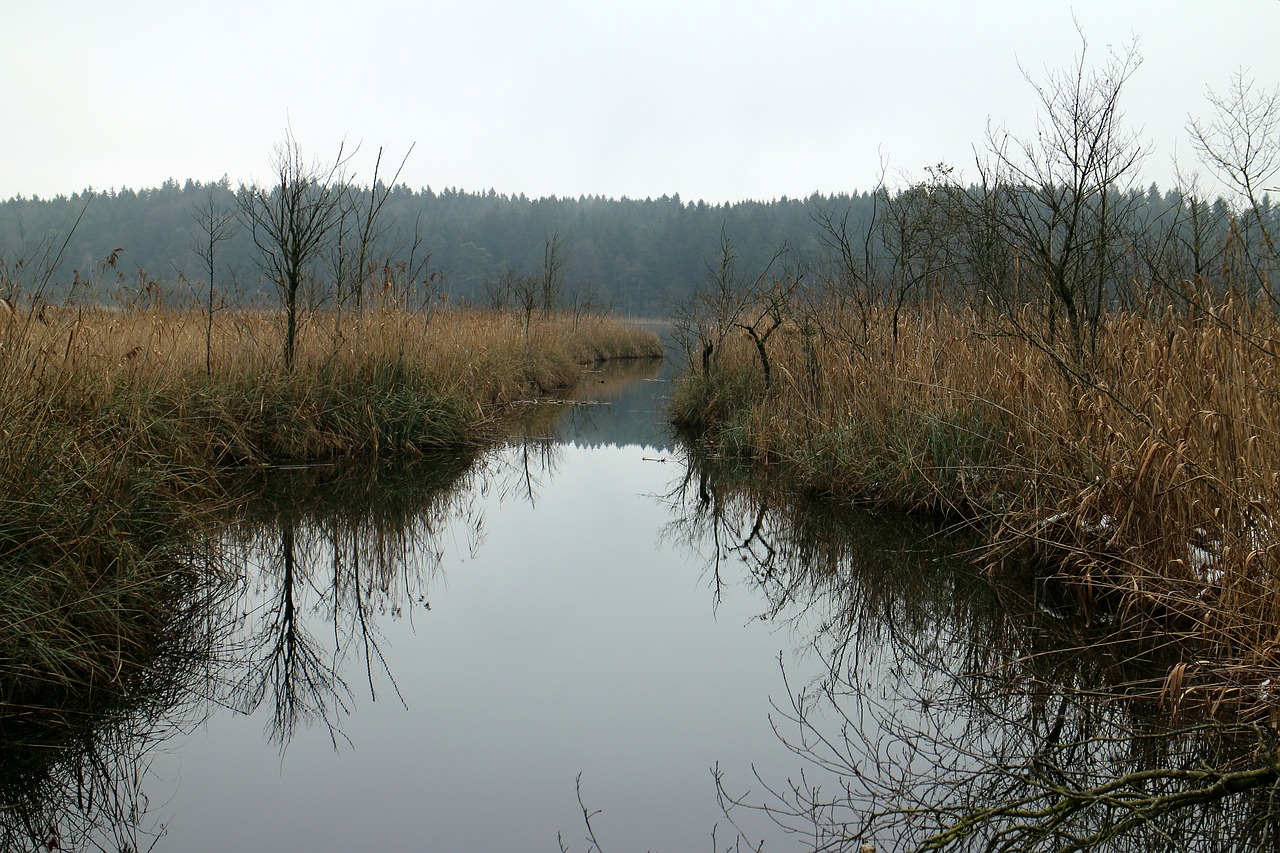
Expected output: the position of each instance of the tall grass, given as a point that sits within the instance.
(110, 429)
(1147, 479)
(385, 380)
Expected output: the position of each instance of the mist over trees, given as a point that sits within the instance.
(640, 257)
(634, 254)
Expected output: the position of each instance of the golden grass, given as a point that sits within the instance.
(110, 429)
(357, 385)
(1147, 479)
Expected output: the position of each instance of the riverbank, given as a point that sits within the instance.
(114, 423)
(1142, 478)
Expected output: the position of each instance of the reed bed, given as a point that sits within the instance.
(1146, 478)
(385, 380)
(113, 423)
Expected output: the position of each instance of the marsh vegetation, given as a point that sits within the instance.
(1090, 390)
(115, 436)
(1001, 452)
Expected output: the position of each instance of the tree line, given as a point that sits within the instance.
(635, 255)
(1058, 219)
(639, 256)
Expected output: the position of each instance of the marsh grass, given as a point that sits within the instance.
(1146, 480)
(111, 430)
(384, 380)
(74, 755)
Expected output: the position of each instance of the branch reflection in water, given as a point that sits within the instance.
(957, 714)
(309, 561)
(326, 552)
(326, 555)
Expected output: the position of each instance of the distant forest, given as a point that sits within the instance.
(640, 257)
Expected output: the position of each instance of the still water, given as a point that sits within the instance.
(470, 652)
(551, 620)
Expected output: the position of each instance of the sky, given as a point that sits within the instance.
(719, 101)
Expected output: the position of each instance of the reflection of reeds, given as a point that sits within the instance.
(73, 756)
(954, 713)
(309, 561)
(800, 553)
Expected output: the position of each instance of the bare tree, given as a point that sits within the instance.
(499, 292)
(1059, 200)
(291, 221)
(371, 227)
(768, 310)
(918, 238)
(214, 224)
(855, 277)
(551, 276)
(729, 303)
(585, 298)
(1241, 144)
(524, 289)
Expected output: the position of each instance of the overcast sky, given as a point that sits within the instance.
(715, 100)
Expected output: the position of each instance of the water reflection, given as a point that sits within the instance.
(623, 407)
(868, 572)
(73, 766)
(311, 563)
(954, 714)
(326, 555)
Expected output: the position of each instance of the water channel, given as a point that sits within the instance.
(465, 653)
(541, 620)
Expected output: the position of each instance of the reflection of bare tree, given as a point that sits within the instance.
(848, 565)
(956, 715)
(328, 554)
(313, 562)
(286, 662)
(535, 458)
(911, 765)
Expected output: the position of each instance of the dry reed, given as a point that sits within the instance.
(110, 428)
(1146, 480)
